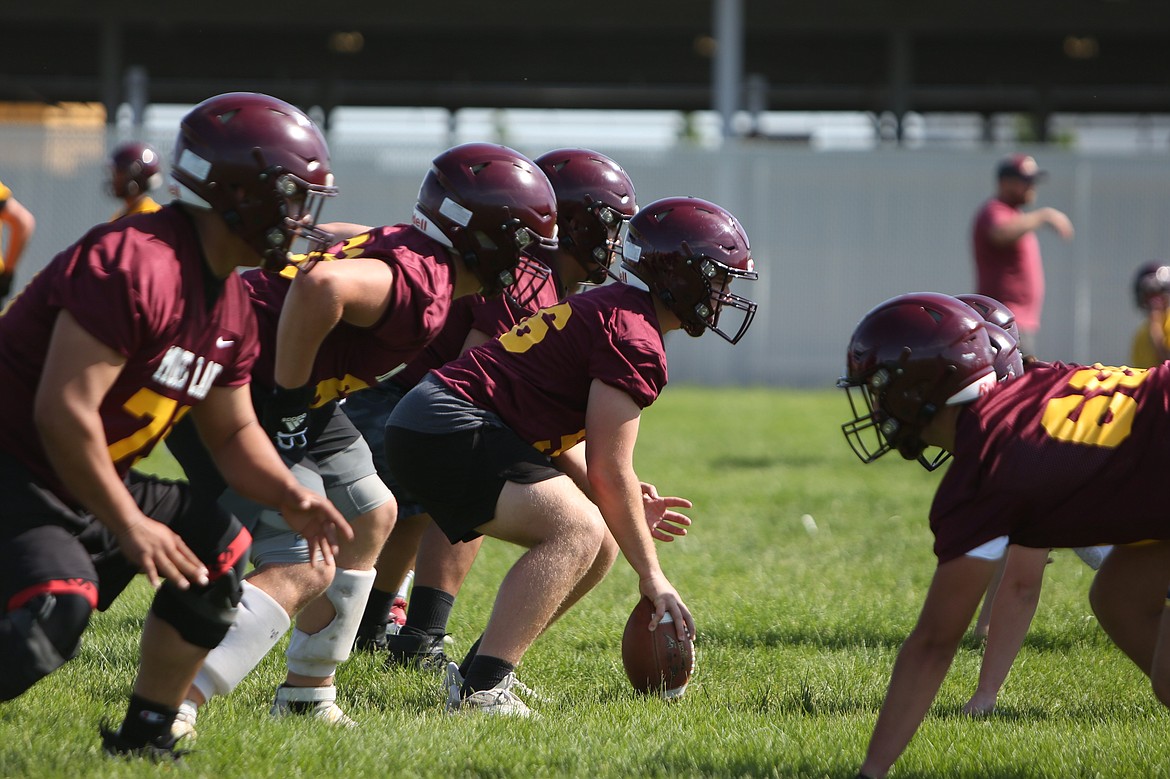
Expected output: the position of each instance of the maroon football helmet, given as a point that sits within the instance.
(135, 168)
(1151, 280)
(262, 165)
(1009, 363)
(687, 251)
(992, 311)
(494, 207)
(595, 198)
(909, 357)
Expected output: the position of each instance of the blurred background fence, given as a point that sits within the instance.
(833, 232)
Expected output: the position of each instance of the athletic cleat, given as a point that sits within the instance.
(500, 700)
(184, 724)
(527, 691)
(161, 750)
(375, 639)
(420, 650)
(316, 702)
(453, 683)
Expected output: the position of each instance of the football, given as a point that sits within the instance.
(656, 662)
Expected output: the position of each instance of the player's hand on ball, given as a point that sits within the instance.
(667, 601)
(656, 662)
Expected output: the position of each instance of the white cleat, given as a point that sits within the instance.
(184, 725)
(316, 702)
(499, 700)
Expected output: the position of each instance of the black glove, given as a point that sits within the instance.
(286, 418)
(5, 284)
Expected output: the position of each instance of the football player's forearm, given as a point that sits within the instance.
(252, 467)
(620, 501)
(77, 450)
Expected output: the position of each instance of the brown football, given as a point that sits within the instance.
(656, 661)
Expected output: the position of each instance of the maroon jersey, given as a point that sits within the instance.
(537, 376)
(142, 287)
(352, 358)
(1012, 274)
(491, 316)
(1064, 456)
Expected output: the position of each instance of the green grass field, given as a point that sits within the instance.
(797, 635)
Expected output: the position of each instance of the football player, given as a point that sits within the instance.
(340, 322)
(595, 198)
(488, 443)
(1028, 454)
(135, 169)
(139, 323)
(19, 223)
(1014, 591)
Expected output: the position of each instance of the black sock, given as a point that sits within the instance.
(377, 611)
(485, 673)
(429, 610)
(465, 666)
(146, 721)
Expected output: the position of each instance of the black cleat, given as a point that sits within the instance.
(419, 650)
(161, 750)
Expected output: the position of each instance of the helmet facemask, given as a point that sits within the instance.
(718, 277)
(521, 280)
(873, 432)
(300, 204)
(695, 291)
(594, 239)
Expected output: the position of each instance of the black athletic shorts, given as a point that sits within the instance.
(458, 477)
(44, 540)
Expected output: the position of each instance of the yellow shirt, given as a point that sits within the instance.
(1142, 353)
(144, 206)
(5, 193)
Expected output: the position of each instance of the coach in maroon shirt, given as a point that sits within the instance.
(1007, 252)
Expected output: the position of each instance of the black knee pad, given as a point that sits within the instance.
(38, 638)
(202, 615)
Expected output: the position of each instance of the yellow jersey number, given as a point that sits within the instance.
(160, 413)
(527, 333)
(531, 330)
(1105, 418)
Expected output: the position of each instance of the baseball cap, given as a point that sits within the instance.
(1020, 166)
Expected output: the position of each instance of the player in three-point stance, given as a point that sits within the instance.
(1029, 454)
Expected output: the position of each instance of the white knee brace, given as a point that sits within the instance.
(260, 623)
(318, 654)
